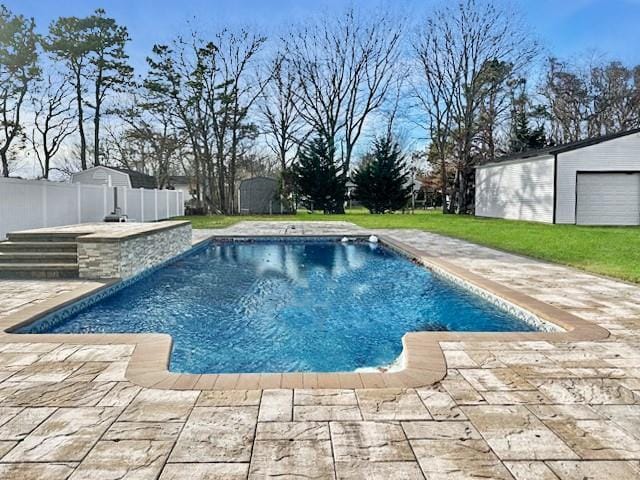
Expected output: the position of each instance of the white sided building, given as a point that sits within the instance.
(114, 177)
(590, 182)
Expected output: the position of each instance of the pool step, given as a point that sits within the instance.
(38, 270)
(39, 256)
(23, 246)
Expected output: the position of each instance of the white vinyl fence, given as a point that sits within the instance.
(26, 204)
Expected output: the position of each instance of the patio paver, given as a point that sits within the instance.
(521, 409)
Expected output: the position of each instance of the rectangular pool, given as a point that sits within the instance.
(284, 306)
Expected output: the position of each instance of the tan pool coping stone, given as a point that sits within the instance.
(106, 232)
(423, 360)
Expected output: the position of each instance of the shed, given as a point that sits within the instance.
(259, 195)
(117, 177)
(590, 182)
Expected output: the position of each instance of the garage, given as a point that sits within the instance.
(608, 198)
(595, 181)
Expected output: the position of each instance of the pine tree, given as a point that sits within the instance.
(381, 181)
(523, 136)
(320, 182)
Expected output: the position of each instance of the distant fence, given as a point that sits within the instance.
(26, 204)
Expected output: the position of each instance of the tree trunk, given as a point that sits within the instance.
(196, 165)
(221, 179)
(462, 194)
(47, 162)
(232, 170)
(443, 174)
(5, 163)
(83, 140)
(96, 123)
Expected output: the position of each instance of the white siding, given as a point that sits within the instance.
(619, 154)
(520, 190)
(185, 190)
(100, 176)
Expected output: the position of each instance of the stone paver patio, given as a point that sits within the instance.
(505, 410)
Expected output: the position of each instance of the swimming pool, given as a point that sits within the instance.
(284, 306)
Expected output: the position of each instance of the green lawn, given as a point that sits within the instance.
(612, 251)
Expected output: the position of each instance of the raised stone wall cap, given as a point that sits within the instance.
(115, 233)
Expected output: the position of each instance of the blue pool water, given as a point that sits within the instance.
(274, 306)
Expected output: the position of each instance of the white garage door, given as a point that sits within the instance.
(608, 199)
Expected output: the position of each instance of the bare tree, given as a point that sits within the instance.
(150, 142)
(591, 97)
(54, 120)
(466, 52)
(283, 126)
(615, 94)
(241, 88)
(434, 88)
(345, 66)
(567, 94)
(210, 87)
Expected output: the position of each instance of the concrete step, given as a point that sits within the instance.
(38, 271)
(57, 247)
(43, 237)
(38, 257)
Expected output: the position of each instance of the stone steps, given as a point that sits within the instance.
(38, 270)
(30, 247)
(39, 256)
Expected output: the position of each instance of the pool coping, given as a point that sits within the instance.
(423, 360)
(86, 233)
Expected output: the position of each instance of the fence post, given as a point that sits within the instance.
(178, 202)
(167, 192)
(155, 202)
(141, 204)
(104, 199)
(124, 201)
(45, 217)
(79, 201)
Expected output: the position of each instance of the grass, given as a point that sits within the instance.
(611, 251)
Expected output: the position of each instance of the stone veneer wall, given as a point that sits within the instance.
(123, 258)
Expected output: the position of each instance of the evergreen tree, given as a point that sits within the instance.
(18, 69)
(522, 136)
(381, 181)
(93, 50)
(319, 181)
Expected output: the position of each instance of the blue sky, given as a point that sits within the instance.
(566, 28)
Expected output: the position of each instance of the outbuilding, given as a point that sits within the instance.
(114, 176)
(590, 182)
(259, 195)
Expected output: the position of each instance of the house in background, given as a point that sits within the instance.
(590, 182)
(115, 177)
(182, 183)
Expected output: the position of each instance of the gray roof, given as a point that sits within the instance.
(258, 177)
(138, 179)
(180, 180)
(566, 147)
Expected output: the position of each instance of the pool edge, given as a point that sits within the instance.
(424, 361)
